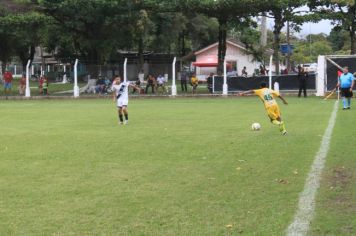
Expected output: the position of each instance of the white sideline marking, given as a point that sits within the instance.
(306, 205)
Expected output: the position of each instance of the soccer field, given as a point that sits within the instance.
(181, 167)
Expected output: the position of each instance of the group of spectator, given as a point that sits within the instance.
(103, 85)
(8, 79)
(155, 84)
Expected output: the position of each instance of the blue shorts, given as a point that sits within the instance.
(7, 85)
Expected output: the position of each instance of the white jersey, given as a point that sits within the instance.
(121, 90)
(161, 80)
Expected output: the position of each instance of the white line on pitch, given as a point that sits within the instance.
(306, 205)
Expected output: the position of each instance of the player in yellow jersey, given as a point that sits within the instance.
(272, 108)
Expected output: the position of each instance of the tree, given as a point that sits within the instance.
(6, 42)
(309, 49)
(340, 40)
(19, 26)
(342, 13)
(283, 11)
(225, 12)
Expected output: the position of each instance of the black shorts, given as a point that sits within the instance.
(345, 92)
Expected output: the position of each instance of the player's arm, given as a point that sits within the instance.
(282, 98)
(352, 84)
(113, 95)
(248, 92)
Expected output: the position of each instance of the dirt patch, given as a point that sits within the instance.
(341, 181)
(341, 177)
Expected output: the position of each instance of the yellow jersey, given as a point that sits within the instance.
(194, 80)
(267, 96)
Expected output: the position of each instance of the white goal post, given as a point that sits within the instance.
(328, 65)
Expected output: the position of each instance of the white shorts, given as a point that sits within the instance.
(122, 102)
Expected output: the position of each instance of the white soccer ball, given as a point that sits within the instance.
(256, 126)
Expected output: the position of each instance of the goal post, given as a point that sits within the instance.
(328, 67)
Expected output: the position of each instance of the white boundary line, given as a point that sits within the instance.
(306, 206)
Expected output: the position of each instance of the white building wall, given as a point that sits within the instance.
(233, 53)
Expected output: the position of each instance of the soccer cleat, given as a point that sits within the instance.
(344, 108)
(126, 122)
(284, 132)
(348, 108)
(121, 123)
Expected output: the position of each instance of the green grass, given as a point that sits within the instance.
(53, 88)
(181, 167)
(336, 209)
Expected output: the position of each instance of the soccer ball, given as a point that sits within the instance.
(256, 126)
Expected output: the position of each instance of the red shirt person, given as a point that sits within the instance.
(7, 81)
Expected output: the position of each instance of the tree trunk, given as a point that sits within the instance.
(278, 25)
(141, 60)
(183, 44)
(32, 53)
(222, 45)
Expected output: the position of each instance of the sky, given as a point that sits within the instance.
(323, 26)
(316, 28)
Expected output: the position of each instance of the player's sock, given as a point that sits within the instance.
(126, 116)
(344, 102)
(276, 122)
(349, 102)
(121, 118)
(282, 127)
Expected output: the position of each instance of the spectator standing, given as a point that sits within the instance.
(22, 85)
(7, 82)
(151, 82)
(194, 82)
(183, 81)
(244, 72)
(209, 81)
(45, 86)
(40, 85)
(303, 78)
(346, 83)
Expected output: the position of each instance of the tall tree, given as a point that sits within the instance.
(20, 27)
(225, 12)
(342, 13)
(283, 11)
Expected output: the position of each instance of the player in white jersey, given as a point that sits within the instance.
(120, 90)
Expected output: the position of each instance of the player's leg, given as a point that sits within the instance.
(119, 106)
(282, 127)
(300, 89)
(124, 104)
(126, 114)
(349, 100)
(343, 97)
(121, 118)
(276, 119)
